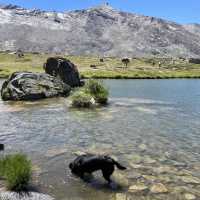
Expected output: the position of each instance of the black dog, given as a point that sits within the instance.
(90, 163)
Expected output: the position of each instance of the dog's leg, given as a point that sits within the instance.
(81, 175)
(107, 173)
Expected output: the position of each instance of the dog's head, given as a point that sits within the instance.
(71, 166)
(74, 168)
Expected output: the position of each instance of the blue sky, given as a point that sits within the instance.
(182, 11)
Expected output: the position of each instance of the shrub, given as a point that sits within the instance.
(16, 169)
(93, 92)
(97, 89)
(81, 99)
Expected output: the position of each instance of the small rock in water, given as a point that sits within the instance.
(143, 147)
(135, 166)
(79, 153)
(158, 188)
(120, 179)
(36, 170)
(138, 188)
(135, 158)
(55, 152)
(163, 170)
(120, 196)
(150, 178)
(25, 196)
(149, 160)
(134, 175)
(189, 196)
(190, 179)
(165, 179)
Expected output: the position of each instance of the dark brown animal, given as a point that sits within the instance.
(93, 66)
(1, 147)
(125, 61)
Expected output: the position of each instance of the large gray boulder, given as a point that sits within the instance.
(24, 196)
(63, 69)
(33, 86)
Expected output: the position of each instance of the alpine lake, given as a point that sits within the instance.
(150, 126)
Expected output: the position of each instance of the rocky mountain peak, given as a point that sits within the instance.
(101, 30)
(104, 7)
(10, 7)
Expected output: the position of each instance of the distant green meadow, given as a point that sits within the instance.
(109, 67)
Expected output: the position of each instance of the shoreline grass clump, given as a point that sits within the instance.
(16, 170)
(93, 93)
(97, 89)
(81, 99)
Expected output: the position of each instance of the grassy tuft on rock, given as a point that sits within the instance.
(97, 89)
(94, 92)
(81, 99)
(16, 170)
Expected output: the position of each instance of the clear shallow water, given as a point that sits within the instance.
(152, 126)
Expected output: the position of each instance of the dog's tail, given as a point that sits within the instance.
(119, 166)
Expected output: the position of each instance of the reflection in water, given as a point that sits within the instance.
(152, 126)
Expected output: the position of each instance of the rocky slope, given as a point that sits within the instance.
(96, 31)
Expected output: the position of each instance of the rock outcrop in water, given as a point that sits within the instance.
(64, 70)
(33, 86)
(28, 196)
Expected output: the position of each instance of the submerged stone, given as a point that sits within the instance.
(164, 169)
(149, 160)
(136, 159)
(120, 196)
(138, 188)
(190, 179)
(158, 188)
(120, 179)
(150, 178)
(143, 147)
(79, 153)
(189, 196)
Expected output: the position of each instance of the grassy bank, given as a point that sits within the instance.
(110, 67)
(16, 170)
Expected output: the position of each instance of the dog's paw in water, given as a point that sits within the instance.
(90, 163)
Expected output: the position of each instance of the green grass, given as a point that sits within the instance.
(110, 68)
(94, 92)
(97, 89)
(81, 99)
(16, 170)
(141, 74)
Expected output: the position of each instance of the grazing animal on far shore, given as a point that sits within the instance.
(91, 163)
(125, 61)
(1, 147)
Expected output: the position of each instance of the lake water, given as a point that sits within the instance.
(151, 126)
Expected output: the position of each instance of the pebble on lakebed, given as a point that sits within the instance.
(189, 196)
(190, 179)
(158, 188)
(120, 196)
(138, 188)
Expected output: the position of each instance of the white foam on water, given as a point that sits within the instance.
(134, 101)
(147, 110)
(11, 109)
